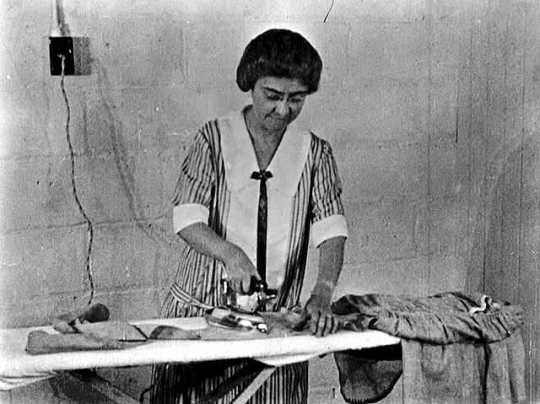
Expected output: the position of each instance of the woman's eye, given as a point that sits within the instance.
(273, 97)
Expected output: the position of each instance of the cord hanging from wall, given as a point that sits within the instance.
(71, 56)
(74, 189)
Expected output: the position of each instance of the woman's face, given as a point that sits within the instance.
(277, 101)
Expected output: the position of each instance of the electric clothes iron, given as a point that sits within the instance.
(241, 311)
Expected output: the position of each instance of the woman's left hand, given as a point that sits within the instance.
(321, 320)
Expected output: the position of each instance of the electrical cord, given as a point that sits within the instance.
(74, 189)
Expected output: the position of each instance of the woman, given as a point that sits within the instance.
(253, 189)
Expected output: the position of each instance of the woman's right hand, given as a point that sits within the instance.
(239, 269)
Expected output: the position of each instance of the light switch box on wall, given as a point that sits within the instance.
(75, 50)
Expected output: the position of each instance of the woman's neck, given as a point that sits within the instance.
(265, 142)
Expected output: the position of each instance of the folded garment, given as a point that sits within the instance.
(41, 342)
(113, 330)
(456, 348)
(88, 329)
(102, 335)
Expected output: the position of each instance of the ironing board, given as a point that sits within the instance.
(18, 368)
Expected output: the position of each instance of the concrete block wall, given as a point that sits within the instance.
(402, 100)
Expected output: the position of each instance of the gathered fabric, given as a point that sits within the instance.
(455, 348)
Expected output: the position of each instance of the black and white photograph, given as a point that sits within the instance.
(270, 201)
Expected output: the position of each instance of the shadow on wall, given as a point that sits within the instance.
(131, 198)
(121, 160)
(500, 213)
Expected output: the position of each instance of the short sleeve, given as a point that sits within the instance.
(327, 215)
(193, 190)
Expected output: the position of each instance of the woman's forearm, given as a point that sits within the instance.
(238, 266)
(318, 307)
(206, 241)
(330, 264)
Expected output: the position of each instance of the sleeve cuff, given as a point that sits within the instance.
(186, 214)
(327, 228)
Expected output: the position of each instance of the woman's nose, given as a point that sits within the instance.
(282, 108)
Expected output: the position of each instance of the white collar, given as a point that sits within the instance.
(240, 160)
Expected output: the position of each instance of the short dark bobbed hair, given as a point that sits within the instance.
(279, 53)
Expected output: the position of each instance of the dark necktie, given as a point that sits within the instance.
(262, 218)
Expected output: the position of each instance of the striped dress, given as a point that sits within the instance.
(214, 187)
